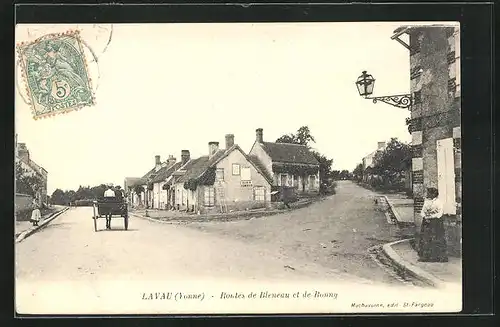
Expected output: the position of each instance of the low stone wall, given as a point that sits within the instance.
(175, 215)
(236, 206)
(23, 206)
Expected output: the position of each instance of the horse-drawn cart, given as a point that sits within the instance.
(110, 208)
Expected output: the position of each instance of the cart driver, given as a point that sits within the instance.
(109, 193)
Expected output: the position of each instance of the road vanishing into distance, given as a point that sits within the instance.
(328, 241)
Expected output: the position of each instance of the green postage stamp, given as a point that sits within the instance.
(55, 74)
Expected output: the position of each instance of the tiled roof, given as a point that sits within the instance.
(196, 167)
(37, 167)
(165, 172)
(290, 153)
(144, 179)
(260, 166)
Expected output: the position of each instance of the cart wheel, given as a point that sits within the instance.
(126, 222)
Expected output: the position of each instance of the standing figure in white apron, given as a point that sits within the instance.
(36, 216)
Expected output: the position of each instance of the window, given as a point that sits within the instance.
(295, 181)
(209, 196)
(259, 194)
(245, 174)
(219, 174)
(236, 169)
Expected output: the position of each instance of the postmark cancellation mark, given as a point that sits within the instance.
(55, 74)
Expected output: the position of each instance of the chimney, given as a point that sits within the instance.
(381, 145)
(212, 148)
(157, 163)
(229, 140)
(23, 152)
(185, 156)
(171, 160)
(259, 135)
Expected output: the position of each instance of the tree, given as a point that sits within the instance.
(393, 161)
(59, 197)
(27, 183)
(303, 137)
(71, 196)
(344, 174)
(325, 170)
(358, 172)
(336, 174)
(84, 193)
(290, 138)
(98, 191)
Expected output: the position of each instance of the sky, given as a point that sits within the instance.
(162, 88)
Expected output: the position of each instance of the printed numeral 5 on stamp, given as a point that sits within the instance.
(55, 74)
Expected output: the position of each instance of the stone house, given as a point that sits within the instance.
(222, 180)
(286, 165)
(435, 122)
(24, 160)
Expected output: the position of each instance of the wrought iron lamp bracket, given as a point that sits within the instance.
(403, 101)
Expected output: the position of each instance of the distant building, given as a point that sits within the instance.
(287, 165)
(368, 159)
(24, 160)
(128, 186)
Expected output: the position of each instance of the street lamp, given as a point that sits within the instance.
(365, 84)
